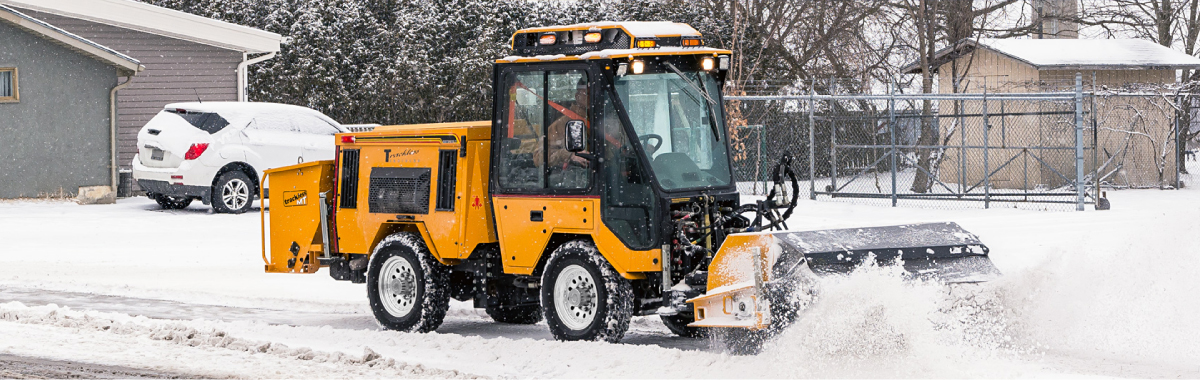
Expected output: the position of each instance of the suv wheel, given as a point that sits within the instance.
(232, 193)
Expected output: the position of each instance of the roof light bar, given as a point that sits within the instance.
(647, 43)
(592, 37)
(548, 39)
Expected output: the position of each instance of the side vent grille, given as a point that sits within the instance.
(349, 180)
(447, 177)
(399, 191)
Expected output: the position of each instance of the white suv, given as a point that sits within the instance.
(217, 151)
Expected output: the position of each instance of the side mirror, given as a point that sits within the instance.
(576, 140)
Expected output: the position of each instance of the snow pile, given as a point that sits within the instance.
(874, 322)
(191, 335)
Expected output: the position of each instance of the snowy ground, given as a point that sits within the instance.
(1109, 293)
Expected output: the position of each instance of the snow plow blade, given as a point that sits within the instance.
(756, 278)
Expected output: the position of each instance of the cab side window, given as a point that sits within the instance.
(538, 107)
(567, 101)
(523, 132)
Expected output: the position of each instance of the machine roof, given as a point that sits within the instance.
(634, 28)
(618, 39)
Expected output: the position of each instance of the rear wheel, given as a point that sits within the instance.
(168, 202)
(232, 193)
(407, 287)
(583, 297)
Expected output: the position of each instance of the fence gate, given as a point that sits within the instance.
(967, 150)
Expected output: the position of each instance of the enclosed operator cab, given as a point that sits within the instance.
(611, 133)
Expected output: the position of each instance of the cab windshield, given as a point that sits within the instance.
(675, 121)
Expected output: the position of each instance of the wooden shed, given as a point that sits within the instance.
(1133, 144)
(186, 57)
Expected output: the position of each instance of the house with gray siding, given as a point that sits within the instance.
(184, 58)
(55, 107)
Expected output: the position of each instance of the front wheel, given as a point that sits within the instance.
(678, 324)
(407, 287)
(583, 297)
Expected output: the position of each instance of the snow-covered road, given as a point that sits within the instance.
(1108, 293)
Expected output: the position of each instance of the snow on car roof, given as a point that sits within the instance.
(244, 107)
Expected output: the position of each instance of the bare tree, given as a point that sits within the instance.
(938, 24)
(1170, 23)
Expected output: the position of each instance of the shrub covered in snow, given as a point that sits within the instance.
(414, 61)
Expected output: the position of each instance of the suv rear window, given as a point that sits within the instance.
(205, 121)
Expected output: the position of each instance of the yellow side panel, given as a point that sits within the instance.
(523, 240)
(625, 261)
(295, 216)
(450, 234)
(476, 205)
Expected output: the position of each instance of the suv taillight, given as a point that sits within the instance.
(195, 151)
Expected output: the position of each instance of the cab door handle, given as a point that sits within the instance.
(535, 216)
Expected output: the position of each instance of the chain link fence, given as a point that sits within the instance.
(1035, 150)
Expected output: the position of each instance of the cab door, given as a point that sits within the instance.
(538, 187)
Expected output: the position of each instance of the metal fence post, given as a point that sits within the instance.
(812, 155)
(892, 128)
(1079, 191)
(832, 139)
(987, 169)
(1180, 144)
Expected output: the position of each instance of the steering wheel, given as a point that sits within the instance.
(645, 139)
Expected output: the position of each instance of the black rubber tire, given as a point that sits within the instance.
(432, 296)
(520, 315)
(614, 294)
(168, 202)
(678, 324)
(232, 180)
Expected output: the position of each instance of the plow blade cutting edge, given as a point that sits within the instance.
(758, 278)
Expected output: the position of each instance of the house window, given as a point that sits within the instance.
(8, 85)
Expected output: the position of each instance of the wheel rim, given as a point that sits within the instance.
(235, 194)
(575, 297)
(398, 286)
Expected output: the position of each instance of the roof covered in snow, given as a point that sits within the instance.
(634, 28)
(152, 19)
(125, 64)
(1072, 54)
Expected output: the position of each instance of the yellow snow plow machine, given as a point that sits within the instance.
(600, 189)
